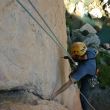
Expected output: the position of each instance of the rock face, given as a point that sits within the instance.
(28, 56)
(44, 105)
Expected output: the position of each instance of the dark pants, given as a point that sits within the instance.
(85, 90)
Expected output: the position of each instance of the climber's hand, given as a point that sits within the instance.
(66, 57)
(53, 96)
(50, 97)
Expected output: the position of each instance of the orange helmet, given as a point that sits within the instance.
(78, 49)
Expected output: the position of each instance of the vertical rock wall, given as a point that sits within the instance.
(28, 57)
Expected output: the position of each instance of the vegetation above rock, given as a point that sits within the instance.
(103, 64)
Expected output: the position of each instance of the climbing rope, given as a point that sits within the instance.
(55, 40)
(87, 101)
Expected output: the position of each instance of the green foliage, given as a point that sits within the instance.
(104, 77)
(103, 64)
(103, 55)
(69, 22)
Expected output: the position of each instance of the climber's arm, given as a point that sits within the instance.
(62, 88)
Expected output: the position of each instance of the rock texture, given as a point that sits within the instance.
(44, 105)
(28, 57)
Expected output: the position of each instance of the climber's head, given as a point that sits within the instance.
(78, 49)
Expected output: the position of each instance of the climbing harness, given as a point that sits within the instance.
(53, 37)
(93, 81)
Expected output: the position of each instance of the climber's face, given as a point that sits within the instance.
(76, 57)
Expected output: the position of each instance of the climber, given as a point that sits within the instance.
(85, 71)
